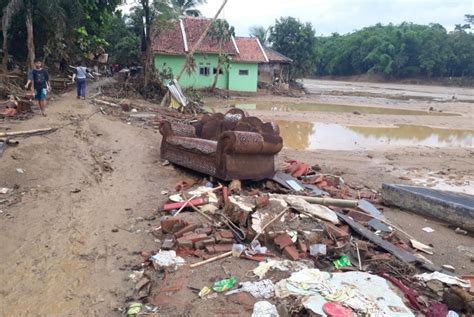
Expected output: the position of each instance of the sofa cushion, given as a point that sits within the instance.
(206, 147)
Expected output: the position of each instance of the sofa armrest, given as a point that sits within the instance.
(178, 129)
(241, 142)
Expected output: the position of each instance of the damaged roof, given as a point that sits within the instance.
(250, 50)
(182, 35)
(274, 56)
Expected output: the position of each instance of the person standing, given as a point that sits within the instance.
(80, 76)
(40, 79)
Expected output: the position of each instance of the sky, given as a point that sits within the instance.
(329, 16)
(341, 16)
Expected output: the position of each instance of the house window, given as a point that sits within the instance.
(214, 71)
(204, 71)
(243, 72)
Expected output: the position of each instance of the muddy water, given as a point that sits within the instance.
(317, 107)
(311, 136)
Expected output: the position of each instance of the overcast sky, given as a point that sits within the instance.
(342, 16)
(329, 16)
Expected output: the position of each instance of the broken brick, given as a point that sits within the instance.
(291, 253)
(210, 241)
(338, 232)
(199, 245)
(195, 237)
(283, 241)
(381, 257)
(201, 254)
(172, 224)
(223, 248)
(185, 243)
(302, 246)
(226, 234)
(206, 230)
(188, 228)
(226, 241)
(358, 216)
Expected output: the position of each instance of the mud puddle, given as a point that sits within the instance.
(336, 108)
(302, 135)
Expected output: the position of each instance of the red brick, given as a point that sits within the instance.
(210, 249)
(185, 243)
(302, 246)
(195, 237)
(336, 231)
(358, 216)
(201, 254)
(222, 248)
(199, 245)
(188, 228)
(210, 241)
(291, 253)
(206, 230)
(283, 241)
(226, 234)
(172, 224)
(226, 241)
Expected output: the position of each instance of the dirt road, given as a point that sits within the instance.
(77, 218)
(59, 256)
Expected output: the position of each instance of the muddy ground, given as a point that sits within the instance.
(79, 214)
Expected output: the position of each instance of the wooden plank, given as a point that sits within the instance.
(360, 229)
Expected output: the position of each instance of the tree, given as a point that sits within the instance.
(297, 41)
(222, 32)
(261, 33)
(12, 7)
(185, 7)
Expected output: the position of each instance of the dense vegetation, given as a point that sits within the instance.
(395, 51)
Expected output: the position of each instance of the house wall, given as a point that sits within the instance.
(239, 82)
(269, 71)
(195, 80)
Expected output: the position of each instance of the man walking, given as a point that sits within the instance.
(40, 79)
(80, 76)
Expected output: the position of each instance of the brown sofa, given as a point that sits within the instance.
(228, 147)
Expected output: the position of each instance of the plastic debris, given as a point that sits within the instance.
(264, 309)
(204, 292)
(166, 259)
(343, 261)
(260, 289)
(284, 265)
(224, 285)
(237, 249)
(317, 249)
(20, 171)
(445, 278)
(336, 310)
(303, 206)
(428, 229)
(134, 309)
(205, 191)
(4, 190)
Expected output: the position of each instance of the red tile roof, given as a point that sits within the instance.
(171, 41)
(274, 56)
(250, 50)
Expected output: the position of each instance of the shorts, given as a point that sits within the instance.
(40, 94)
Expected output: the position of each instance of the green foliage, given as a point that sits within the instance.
(297, 41)
(405, 50)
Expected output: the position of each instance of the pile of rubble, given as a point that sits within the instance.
(314, 246)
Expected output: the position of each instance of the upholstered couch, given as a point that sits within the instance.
(228, 147)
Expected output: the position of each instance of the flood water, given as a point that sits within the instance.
(289, 107)
(302, 135)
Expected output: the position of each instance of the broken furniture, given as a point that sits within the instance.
(454, 208)
(230, 146)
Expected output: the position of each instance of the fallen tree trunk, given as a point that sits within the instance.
(28, 132)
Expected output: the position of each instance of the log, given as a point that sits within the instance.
(106, 103)
(28, 132)
(331, 201)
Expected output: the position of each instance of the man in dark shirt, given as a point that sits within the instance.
(40, 79)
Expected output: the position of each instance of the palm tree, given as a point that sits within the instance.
(222, 32)
(260, 32)
(186, 7)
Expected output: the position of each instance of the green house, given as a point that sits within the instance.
(172, 44)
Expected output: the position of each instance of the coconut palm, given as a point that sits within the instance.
(186, 7)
